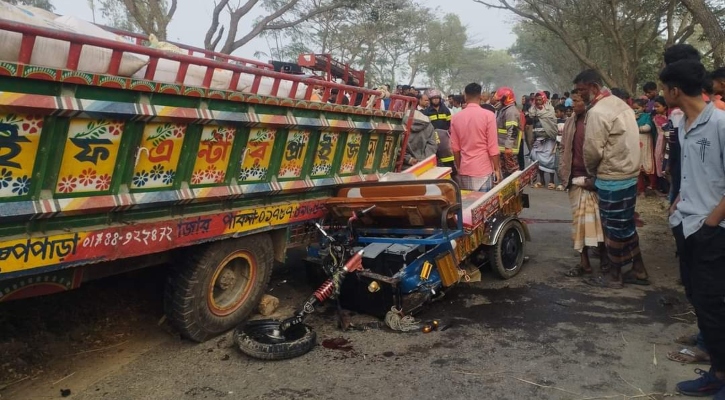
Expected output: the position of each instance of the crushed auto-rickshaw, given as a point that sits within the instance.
(391, 247)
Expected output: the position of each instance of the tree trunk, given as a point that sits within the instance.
(704, 15)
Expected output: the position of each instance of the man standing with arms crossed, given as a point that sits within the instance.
(475, 144)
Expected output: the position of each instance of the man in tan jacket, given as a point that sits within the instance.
(611, 153)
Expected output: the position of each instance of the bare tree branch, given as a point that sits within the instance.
(267, 22)
(210, 42)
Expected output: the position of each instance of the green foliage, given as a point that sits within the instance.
(44, 4)
(544, 57)
(115, 14)
(613, 37)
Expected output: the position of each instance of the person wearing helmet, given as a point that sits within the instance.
(508, 123)
(439, 114)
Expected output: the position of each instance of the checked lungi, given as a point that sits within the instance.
(616, 208)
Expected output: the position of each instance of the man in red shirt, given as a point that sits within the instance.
(474, 143)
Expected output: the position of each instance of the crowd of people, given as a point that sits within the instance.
(607, 149)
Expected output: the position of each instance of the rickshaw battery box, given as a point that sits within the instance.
(369, 293)
(381, 262)
(387, 259)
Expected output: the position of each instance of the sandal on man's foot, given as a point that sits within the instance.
(686, 340)
(538, 185)
(578, 272)
(551, 186)
(687, 356)
(603, 282)
(560, 188)
(632, 279)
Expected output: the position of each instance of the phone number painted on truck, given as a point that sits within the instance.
(67, 249)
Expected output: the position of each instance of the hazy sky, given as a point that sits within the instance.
(191, 21)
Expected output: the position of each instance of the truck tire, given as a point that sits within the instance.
(213, 287)
(250, 338)
(507, 255)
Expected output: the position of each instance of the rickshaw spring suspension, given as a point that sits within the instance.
(325, 290)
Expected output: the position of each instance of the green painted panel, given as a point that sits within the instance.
(226, 105)
(29, 86)
(105, 94)
(175, 100)
(59, 131)
(127, 155)
(239, 147)
(189, 152)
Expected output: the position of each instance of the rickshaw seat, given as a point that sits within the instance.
(406, 204)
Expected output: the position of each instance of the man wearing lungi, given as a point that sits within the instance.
(586, 224)
(611, 153)
(698, 216)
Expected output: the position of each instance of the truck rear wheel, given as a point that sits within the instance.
(214, 287)
(507, 255)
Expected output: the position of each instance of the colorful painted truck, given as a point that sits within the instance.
(215, 170)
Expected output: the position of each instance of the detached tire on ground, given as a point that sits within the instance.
(507, 255)
(215, 286)
(254, 338)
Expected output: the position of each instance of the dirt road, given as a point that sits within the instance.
(539, 335)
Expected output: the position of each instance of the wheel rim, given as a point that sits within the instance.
(511, 249)
(268, 332)
(232, 283)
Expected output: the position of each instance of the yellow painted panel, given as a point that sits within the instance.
(212, 158)
(294, 154)
(158, 156)
(352, 150)
(89, 156)
(372, 148)
(257, 155)
(325, 154)
(387, 152)
(19, 139)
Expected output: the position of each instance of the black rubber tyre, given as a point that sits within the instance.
(250, 338)
(215, 286)
(507, 255)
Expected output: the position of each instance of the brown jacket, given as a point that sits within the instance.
(611, 147)
(567, 154)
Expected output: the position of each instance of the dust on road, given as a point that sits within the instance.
(539, 335)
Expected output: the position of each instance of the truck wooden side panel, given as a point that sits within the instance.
(91, 174)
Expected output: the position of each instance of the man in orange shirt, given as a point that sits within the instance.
(474, 142)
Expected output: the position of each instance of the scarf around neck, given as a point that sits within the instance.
(605, 92)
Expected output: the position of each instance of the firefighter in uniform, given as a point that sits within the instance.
(437, 112)
(440, 117)
(508, 123)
